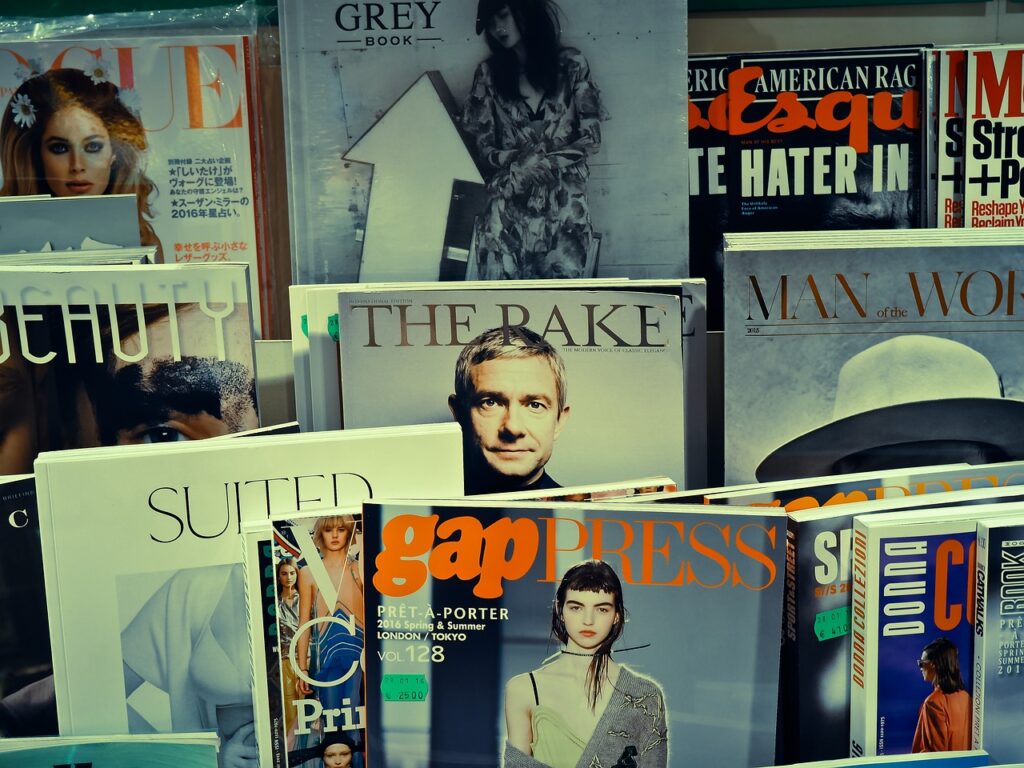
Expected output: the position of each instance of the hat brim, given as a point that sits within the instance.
(993, 421)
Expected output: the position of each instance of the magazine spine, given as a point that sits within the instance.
(51, 581)
(789, 686)
(863, 602)
(981, 571)
(251, 543)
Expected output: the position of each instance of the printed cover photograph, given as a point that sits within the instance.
(913, 633)
(567, 620)
(549, 141)
(167, 120)
(825, 140)
(551, 388)
(113, 355)
(310, 639)
(872, 358)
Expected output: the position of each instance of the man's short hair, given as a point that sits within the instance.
(507, 343)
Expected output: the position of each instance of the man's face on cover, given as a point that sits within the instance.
(511, 420)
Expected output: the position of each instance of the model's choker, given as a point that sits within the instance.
(605, 653)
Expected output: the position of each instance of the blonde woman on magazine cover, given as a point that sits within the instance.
(335, 663)
(584, 707)
(68, 133)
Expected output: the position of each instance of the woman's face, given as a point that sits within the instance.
(927, 668)
(589, 618)
(77, 153)
(334, 536)
(287, 576)
(337, 756)
(504, 29)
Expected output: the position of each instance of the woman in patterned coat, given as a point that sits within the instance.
(534, 115)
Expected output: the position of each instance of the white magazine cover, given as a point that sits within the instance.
(552, 388)
(873, 357)
(155, 638)
(167, 119)
(406, 162)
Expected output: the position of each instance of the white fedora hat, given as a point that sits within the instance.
(907, 389)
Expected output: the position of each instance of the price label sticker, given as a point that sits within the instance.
(404, 688)
(831, 624)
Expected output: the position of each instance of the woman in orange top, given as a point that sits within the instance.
(944, 722)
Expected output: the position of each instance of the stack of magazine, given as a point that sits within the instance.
(557, 479)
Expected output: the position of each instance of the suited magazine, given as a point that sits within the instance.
(116, 354)
(417, 152)
(166, 119)
(998, 650)
(155, 639)
(567, 620)
(897, 350)
(528, 374)
(304, 585)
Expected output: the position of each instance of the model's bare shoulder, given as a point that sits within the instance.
(519, 690)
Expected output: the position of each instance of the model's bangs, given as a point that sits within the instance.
(593, 577)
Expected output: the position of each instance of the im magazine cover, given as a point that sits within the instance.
(592, 634)
(454, 139)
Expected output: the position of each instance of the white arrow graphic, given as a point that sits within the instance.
(416, 152)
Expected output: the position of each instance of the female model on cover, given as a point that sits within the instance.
(944, 721)
(584, 707)
(534, 116)
(65, 134)
(287, 623)
(339, 629)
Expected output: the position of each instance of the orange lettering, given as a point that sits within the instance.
(712, 554)
(947, 617)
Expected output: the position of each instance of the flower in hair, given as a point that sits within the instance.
(130, 98)
(24, 111)
(34, 68)
(99, 71)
